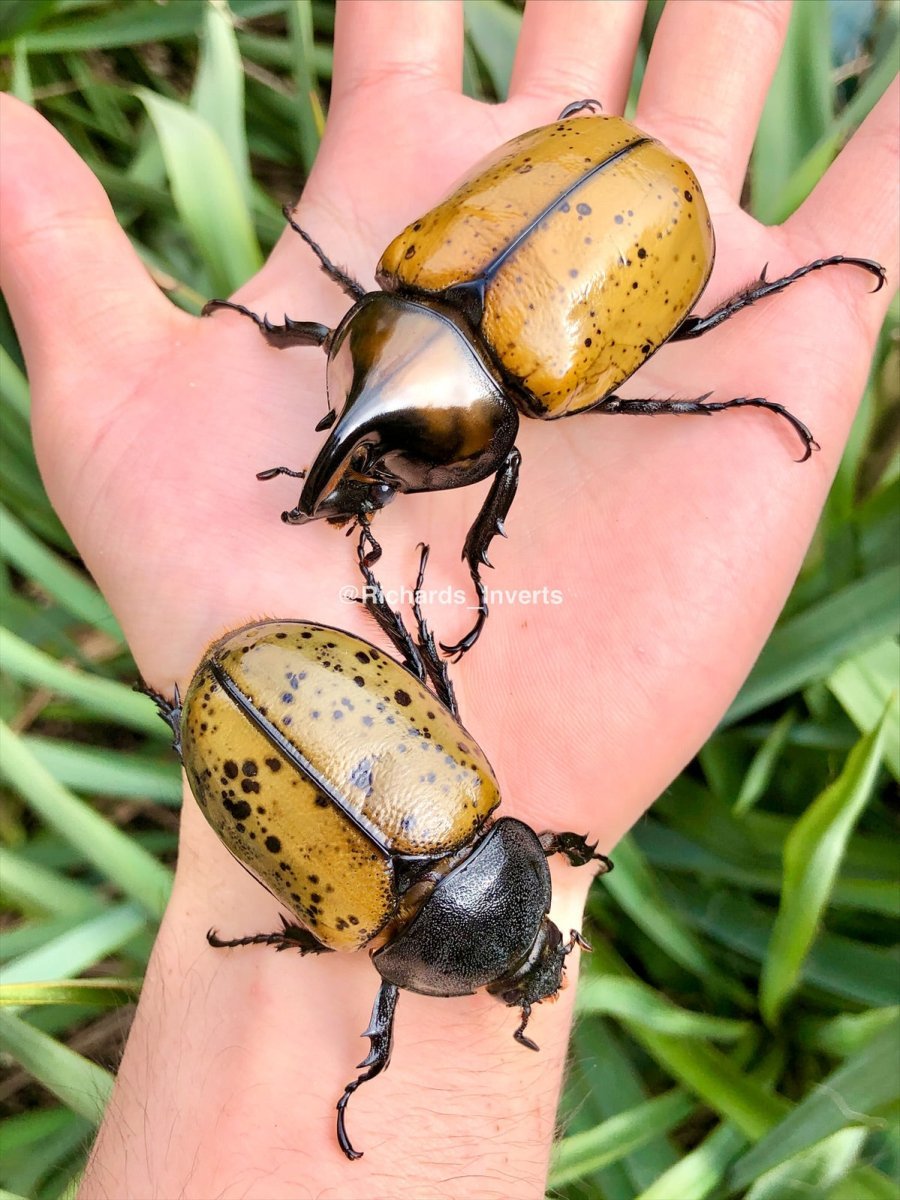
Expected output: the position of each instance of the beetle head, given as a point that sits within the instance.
(420, 410)
(540, 976)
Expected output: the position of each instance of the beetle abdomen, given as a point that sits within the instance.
(592, 242)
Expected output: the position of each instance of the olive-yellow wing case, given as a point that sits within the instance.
(316, 758)
(592, 241)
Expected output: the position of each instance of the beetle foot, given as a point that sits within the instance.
(519, 1035)
(695, 326)
(380, 1031)
(702, 406)
(487, 525)
(577, 849)
(272, 472)
(289, 937)
(169, 710)
(432, 661)
(577, 105)
(290, 333)
(577, 938)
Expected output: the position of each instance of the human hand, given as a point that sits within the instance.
(673, 543)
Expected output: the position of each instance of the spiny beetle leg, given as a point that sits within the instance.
(577, 849)
(434, 664)
(703, 407)
(344, 281)
(487, 525)
(390, 622)
(289, 937)
(291, 333)
(519, 1035)
(577, 105)
(169, 710)
(695, 326)
(381, 1033)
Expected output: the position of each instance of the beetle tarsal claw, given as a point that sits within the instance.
(519, 1035)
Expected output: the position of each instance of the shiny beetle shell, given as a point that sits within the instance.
(316, 758)
(591, 242)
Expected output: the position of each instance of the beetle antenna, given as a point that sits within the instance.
(344, 281)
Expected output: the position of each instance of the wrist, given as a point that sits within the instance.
(272, 1039)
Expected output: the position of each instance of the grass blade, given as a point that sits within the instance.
(207, 192)
(78, 1083)
(112, 852)
(582, 1153)
(812, 858)
(853, 1094)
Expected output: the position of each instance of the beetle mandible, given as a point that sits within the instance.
(554, 270)
(348, 787)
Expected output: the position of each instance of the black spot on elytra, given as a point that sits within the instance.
(273, 844)
(306, 634)
(359, 681)
(249, 786)
(321, 801)
(402, 698)
(249, 767)
(281, 635)
(239, 809)
(274, 764)
(231, 769)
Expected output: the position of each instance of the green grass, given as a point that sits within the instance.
(738, 1030)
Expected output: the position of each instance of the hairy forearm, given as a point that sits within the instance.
(237, 1057)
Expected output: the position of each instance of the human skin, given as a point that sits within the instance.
(674, 543)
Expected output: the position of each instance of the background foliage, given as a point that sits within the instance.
(739, 1019)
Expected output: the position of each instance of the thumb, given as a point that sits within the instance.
(77, 292)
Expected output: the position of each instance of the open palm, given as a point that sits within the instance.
(672, 543)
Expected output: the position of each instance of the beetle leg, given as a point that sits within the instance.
(488, 524)
(519, 1035)
(703, 407)
(289, 937)
(694, 326)
(341, 278)
(434, 664)
(169, 710)
(390, 622)
(577, 106)
(577, 938)
(577, 849)
(381, 1033)
(291, 333)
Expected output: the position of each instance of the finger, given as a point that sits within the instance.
(393, 41)
(706, 81)
(558, 58)
(854, 207)
(71, 278)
